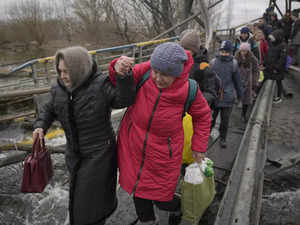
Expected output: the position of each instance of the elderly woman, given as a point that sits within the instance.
(82, 102)
(150, 140)
(249, 73)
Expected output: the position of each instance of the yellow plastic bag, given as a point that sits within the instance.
(261, 76)
(187, 157)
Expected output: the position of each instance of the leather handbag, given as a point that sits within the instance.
(37, 168)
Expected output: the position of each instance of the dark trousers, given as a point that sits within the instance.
(279, 88)
(145, 211)
(225, 116)
(244, 110)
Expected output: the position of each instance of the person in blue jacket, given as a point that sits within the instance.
(226, 67)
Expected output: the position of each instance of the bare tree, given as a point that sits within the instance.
(91, 13)
(66, 20)
(31, 15)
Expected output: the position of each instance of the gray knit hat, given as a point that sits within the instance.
(169, 59)
(191, 41)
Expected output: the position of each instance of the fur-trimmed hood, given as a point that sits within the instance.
(78, 62)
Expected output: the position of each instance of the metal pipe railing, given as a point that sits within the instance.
(238, 206)
(94, 52)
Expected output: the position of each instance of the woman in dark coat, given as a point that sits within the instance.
(275, 61)
(249, 73)
(82, 102)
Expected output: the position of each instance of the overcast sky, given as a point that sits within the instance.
(246, 10)
(242, 10)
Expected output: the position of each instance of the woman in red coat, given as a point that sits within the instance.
(150, 139)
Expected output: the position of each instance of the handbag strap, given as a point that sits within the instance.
(38, 146)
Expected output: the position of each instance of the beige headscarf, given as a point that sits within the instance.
(78, 62)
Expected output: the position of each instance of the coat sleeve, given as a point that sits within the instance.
(201, 117)
(281, 63)
(255, 73)
(47, 115)
(237, 80)
(122, 94)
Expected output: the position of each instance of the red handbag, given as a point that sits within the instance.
(37, 168)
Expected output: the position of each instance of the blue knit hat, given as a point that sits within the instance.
(168, 58)
(245, 30)
(226, 46)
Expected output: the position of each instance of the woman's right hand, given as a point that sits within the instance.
(38, 132)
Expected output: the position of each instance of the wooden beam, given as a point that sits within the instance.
(28, 148)
(11, 157)
(14, 94)
(15, 116)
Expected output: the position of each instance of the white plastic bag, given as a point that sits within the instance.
(194, 172)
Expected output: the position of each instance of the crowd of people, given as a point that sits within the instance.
(148, 150)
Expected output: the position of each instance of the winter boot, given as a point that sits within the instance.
(223, 143)
(175, 218)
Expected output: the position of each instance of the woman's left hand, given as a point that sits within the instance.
(198, 156)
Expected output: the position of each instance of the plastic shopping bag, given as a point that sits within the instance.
(198, 190)
(261, 76)
(187, 157)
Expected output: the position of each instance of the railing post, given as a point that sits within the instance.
(214, 37)
(34, 76)
(47, 73)
(232, 34)
(140, 54)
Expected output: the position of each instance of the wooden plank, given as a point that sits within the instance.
(15, 116)
(28, 147)
(13, 94)
(11, 157)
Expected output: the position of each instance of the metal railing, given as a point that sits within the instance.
(42, 71)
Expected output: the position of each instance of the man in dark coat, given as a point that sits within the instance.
(226, 67)
(200, 71)
(82, 102)
(275, 61)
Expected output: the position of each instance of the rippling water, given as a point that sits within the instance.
(47, 208)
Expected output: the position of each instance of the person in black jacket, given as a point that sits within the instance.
(82, 102)
(200, 71)
(275, 61)
(286, 25)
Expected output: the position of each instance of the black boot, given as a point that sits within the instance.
(223, 143)
(175, 218)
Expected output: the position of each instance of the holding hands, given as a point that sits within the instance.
(124, 64)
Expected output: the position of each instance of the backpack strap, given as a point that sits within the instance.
(193, 89)
(144, 78)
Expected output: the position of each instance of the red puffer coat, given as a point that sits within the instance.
(150, 139)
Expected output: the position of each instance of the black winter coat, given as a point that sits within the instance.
(91, 154)
(275, 60)
(206, 79)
